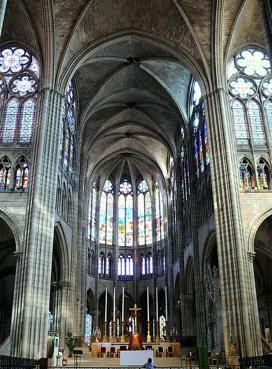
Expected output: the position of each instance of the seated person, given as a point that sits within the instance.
(149, 364)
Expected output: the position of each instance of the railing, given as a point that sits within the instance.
(8, 362)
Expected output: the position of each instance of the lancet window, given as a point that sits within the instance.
(125, 214)
(159, 214)
(106, 214)
(19, 84)
(125, 266)
(144, 214)
(21, 175)
(5, 174)
(200, 139)
(69, 123)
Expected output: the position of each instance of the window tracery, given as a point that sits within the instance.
(250, 89)
(19, 83)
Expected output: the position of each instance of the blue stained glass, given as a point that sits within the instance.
(200, 152)
(141, 219)
(27, 119)
(254, 113)
(240, 125)
(268, 109)
(121, 220)
(206, 145)
(196, 157)
(9, 121)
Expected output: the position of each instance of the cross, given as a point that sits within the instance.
(135, 309)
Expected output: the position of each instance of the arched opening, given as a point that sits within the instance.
(214, 318)
(56, 287)
(7, 278)
(263, 279)
(189, 316)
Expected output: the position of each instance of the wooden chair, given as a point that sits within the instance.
(112, 352)
(102, 352)
(170, 351)
(159, 352)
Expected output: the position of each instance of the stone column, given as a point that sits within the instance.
(32, 301)
(3, 5)
(237, 288)
(267, 20)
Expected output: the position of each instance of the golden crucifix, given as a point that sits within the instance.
(135, 309)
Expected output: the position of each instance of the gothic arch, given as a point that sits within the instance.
(7, 278)
(63, 250)
(12, 221)
(255, 224)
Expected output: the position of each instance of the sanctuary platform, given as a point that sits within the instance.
(113, 349)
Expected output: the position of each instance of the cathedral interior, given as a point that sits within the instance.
(135, 168)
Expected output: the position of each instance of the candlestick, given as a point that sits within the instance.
(106, 303)
(157, 307)
(114, 304)
(166, 309)
(147, 302)
(123, 304)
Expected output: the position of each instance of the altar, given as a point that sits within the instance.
(137, 357)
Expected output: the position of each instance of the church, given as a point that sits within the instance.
(135, 174)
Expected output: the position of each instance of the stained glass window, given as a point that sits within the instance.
(263, 174)
(88, 328)
(69, 127)
(159, 215)
(255, 118)
(200, 144)
(247, 181)
(5, 174)
(144, 214)
(106, 214)
(21, 175)
(240, 124)
(125, 214)
(92, 214)
(268, 110)
(18, 90)
(250, 88)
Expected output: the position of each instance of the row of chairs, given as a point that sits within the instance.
(169, 352)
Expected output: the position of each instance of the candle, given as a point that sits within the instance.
(166, 311)
(157, 306)
(114, 304)
(147, 302)
(106, 303)
(123, 304)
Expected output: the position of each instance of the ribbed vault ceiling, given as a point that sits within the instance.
(133, 99)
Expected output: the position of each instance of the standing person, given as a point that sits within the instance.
(149, 364)
(267, 334)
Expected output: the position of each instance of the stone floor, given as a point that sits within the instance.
(115, 362)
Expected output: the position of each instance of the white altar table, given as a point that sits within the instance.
(135, 357)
